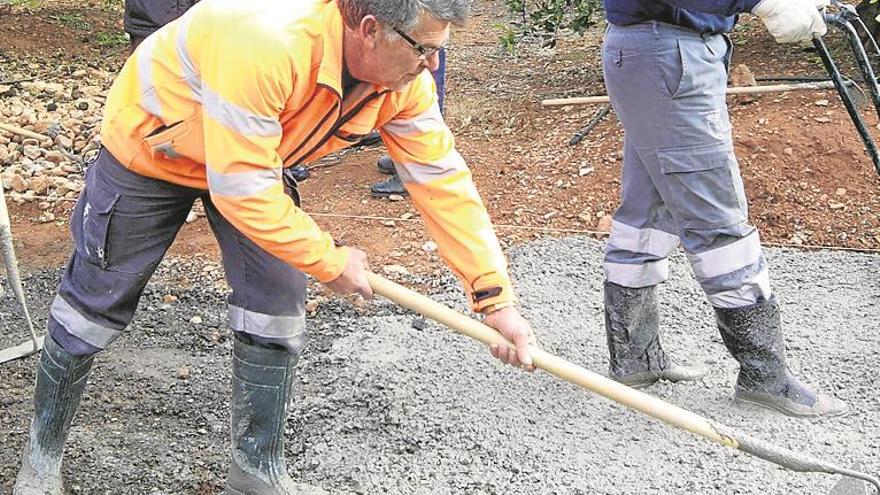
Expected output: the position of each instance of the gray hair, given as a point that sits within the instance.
(404, 14)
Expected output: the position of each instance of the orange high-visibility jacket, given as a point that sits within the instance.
(225, 96)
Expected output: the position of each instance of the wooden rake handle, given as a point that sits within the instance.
(550, 363)
(594, 382)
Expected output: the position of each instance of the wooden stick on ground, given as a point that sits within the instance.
(733, 90)
(24, 132)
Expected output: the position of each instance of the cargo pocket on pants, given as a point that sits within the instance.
(97, 213)
(704, 184)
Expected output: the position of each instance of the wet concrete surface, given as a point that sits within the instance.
(385, 404)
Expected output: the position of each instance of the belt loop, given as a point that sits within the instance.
(656, 26)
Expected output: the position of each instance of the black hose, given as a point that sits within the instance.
(857, 120)
(581, 134)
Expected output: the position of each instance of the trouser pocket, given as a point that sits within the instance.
(91, 222)
(704, 185)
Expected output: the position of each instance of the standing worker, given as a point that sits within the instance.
(143, 17)
(665, 65)
(217, 105)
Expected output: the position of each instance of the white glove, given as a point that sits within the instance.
(790, 21)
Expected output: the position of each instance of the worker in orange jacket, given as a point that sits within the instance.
(217, 105)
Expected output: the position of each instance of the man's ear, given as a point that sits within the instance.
(370, 30)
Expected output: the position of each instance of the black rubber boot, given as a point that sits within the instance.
(753, 335)
(261, 384)
(61, 378)
(632, 325)
(386, 165)
(388, 187)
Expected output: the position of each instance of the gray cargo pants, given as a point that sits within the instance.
(681, 181)
(122, 226)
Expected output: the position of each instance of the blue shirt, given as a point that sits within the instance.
(708, 16)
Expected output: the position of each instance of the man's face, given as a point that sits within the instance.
(398, 61)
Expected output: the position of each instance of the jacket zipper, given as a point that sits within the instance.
(336, 105)
(340, 121)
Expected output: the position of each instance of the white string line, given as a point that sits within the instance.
(545, 229)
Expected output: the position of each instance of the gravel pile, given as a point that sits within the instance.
(387, 403)
(65, 107)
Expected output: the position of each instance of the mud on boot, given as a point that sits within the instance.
(261, 384)
(61, 378)
(632, 326)
(753, 335)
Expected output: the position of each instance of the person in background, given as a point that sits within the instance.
(665, 66)
(143, 17)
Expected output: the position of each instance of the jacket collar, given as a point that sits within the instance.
(331, 63)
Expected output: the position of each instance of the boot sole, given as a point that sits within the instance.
(788, 412)
(646, 379)
(385, 195)
(638, 384)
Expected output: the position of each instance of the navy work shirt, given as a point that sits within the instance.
(707, 16)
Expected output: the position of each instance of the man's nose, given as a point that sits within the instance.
(432, 61)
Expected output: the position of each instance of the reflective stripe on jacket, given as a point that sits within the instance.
(225, 96)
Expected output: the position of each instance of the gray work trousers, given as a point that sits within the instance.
(122, 226)
(681, 181)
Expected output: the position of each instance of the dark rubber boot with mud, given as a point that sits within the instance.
(753, 335)
(632, 325)
(61, 378)
(261, 384)
(388, 187)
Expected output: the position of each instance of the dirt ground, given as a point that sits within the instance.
(375, 415)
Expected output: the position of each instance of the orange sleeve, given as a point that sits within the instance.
(443, 191)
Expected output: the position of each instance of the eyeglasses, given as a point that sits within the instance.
(423, 52)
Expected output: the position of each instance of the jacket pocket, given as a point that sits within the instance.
(705, 186)
(183, 139)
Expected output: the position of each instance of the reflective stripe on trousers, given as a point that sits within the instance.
(122, 226)
(681, 180)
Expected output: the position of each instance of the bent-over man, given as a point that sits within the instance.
(217, 105)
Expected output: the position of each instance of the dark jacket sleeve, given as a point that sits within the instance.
(142, 17)
(720, 7)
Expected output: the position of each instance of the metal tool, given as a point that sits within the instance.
(847, 20)
(594, 382)
(14, 278)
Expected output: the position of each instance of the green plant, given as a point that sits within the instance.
(73, 21)
(544, 19)
(28, 4)
(507, 38)
(112, 40)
